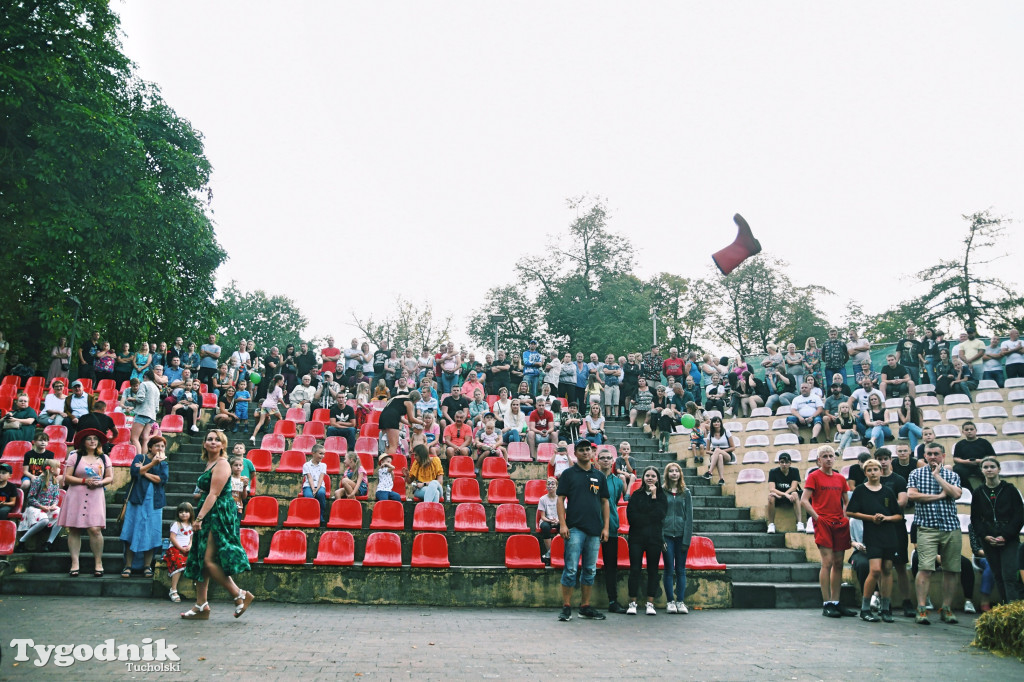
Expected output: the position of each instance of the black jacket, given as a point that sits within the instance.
(646, 516)
(1004, 516)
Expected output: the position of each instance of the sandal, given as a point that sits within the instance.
(246, 598)
(198, 612)
(148, 573)
(175, 597)
(98, 573)
(73, 573)
(127, 572)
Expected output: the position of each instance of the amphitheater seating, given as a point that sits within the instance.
(756, 442)
(989, 397)
(987, 385)
(56, 433)
(8, 537)
(1015, 382)
(959, 413)
(261, 460)
(956, 399)
(750, 476)
(946, 431)
(545, 451)
(925, 389)
(779, 424)
(461, 466)
(519, 452)
(287, 547)
(465, 490)
(304, 443)
(303, 512)
(430, 550)
(15, 452)
(783, 409)
(757, 425)
(850, 453)
(534, 490)
(965, 497)
(336, 548)
(296, 415)
(501, 490)
(336, 444)
(251, 544)
(1012, 468)
(1013, 428)
(314, 429)
(429, 516)
(333, 462)
(286, 428)
(274, 442)
(59, 449)
(623, 520)
(291, 462)
(761, 412)
(388, 515)
(927, 401)
(930, 416)
(986, 429)
(366, 461)
(368, 446)
(510, 518)
(470, 517)
(321, 415)
(1018, 411)
(786, 439)
(122, 455)
(346, 514)
(523, 551)
(494, 467)
(701, 556)
(755, 457)
(172, 423)
(262, 511)
(1008, 447)
(207, 400)
(794, 455)
(383, 549)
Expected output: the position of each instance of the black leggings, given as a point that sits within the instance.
(637, 549)
(610, 551)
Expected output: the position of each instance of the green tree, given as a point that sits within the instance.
(407, 326)
(683, 306)
(522, 320)
(103, 188)
(253, 315)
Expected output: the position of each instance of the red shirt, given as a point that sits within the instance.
(460, 437)
(541, 420)
(673, 367)
(330, 355)
(827, 493)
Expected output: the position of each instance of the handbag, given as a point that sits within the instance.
(65, 364)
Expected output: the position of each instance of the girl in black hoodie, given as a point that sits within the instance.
(997, 515)
(646, 513)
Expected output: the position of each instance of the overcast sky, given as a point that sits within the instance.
(376, 138)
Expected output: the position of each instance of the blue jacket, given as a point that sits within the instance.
(140, 483)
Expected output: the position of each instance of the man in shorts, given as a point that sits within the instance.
(934, 491)
(824, 498)
(784, 491)
(583, 518)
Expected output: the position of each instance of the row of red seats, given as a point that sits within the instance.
(121, 454)
(276, 443)
(523, 551)
(337, 548)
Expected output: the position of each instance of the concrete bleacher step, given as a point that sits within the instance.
(85, 585)
(764, 555)
(772, 595)
(776, 572)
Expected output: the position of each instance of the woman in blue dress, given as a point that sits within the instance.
(143, 516)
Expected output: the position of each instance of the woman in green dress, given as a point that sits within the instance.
(216, 547)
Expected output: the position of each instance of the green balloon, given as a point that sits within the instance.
(255, 378)
(688, 421)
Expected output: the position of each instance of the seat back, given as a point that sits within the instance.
(321, 415)
(501, 490)
(261, 511)
(273, 442)
(465, 490)
(56, 432)
(523, 551)
(470, 517)
(15, 451)
(122, 455)
(172, 423)
(383, 549)
(287, 547)
(519, 452)
(367, 445)
(750, 476)
(285, 427)
(510, 518)
(8, 536)
(388, 515)
(429, 516)
(494, 467)
(534, 490)
(430, 550)
(303, 512)
(291, 462)
(336, 548)
(701, 556)
(251, 544)
(461, 466)
(314, 429)
(346, 514)
(295, 414)
(303, 443)
(261, 460)
(336, 444)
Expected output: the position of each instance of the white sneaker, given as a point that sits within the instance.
(876, 604)
(671, 608)
(771, 527)
(809, 526)
(194, 429)
(928, 605)
(969, 607)
(800, 528)
(631, 609)
(681, 607)
(650, 609)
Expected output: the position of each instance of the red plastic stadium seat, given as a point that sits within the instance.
(429, 516)
(374, 417)
(204, 389)
(122, 455)
(322, 415)
(287, 547)
(291, 462)
(16, 473)
(535, 490)
(494, 467)
(623, 520)
(519, 452)
(558, 553)
(295, 414)
(172, 423)
(461, 466)
(119, 419)
(8, 534)
(367, 445)
(346, 514)
(251, 544)
(209, 400)
(388, 515)
(273, 442)
(123, 436)
(106, 385)
(59, 449)
(314, 429)
(399, 486)
(11, 380)
(636, 486)
(261, 460)
(107, 396)
(400, 462)
(501, 490)
(336, 444)
(303, 512)
(336, 548)
(19, 504)
(285, 428)
(523, 551)
(366, 461)
(303, 443)
(545, 451)
(430, 550)
(470, 517)
(383, 549)
(15, 451)
(369, 430)
(333, 462)
(262, 511)
(465, 490)
(701, 556)
(510, 518)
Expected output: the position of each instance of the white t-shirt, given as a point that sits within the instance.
(352, 358)
(721, 441)
(861, 397)
(182, 533)
(990, 364)
(1017, 356)
(548, 507)
(562, 462)
(53, 403)
(806, 407)
(238, 359)
(385, 481)
(316, 472)
(551, 375)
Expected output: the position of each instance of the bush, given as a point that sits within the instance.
(1002, 630)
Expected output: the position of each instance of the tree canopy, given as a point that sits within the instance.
(256, 316)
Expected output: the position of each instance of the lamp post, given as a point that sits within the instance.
(74, 327)
(496, 320)
(654, 320)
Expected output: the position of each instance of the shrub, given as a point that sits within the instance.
(1002, 630)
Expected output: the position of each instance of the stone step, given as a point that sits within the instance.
(765, 555)
(85, 585)
(770, 595)
(709, 527)
(773, 572)
(57, 562)
(746, 540)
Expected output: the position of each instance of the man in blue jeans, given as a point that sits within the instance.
(532, 363)
(583, 517)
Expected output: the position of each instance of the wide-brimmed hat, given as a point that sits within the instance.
(85, 433)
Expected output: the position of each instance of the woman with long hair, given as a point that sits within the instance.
(646, 512)
(146, 403)
(401, 405)
(910, 421)
(217, 550)
(142, 530)
(721, 447)
(677, 531)
(123, 365)
(87, 473)
(142, 361)
(877, 425)
(42, 506)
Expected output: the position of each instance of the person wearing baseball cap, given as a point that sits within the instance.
(784, 491)
(533, 362)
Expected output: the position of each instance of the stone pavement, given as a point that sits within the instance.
(321, 641)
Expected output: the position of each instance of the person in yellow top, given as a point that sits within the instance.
(426, 476)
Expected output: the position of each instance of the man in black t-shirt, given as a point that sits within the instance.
(898, 484)
(380, 358)
(452, 404)
(305, 360)
(856, 474)
(910, 354)
(583, 517)
(8, 491)
(784, 490)
(99, 420)
(896, 379)
(87, 355)
(343, 423)
(967, 453)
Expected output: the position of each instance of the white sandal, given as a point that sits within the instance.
(175, 597)
(198, 612)
(247, 599)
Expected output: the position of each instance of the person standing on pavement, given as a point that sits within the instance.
(610, 547)
(677, 531)
(583, 518)
(646, 511)
(824, 498)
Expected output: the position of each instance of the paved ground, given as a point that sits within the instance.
(286, 641)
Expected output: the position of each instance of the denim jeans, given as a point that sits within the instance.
(846, 438)
(321, 497)
(929, 368)
(913, 432)
(595, 438)
(346, 432)
(879, 434)
(533, 381)
(675, 567)
(447, 380)
(777, 399)
(387, 495)
(511, 436)
(587, 546)
(429, 493)
(995, 375)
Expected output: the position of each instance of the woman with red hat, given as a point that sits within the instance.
(87, 472)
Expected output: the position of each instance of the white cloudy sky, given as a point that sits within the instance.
(377, 138)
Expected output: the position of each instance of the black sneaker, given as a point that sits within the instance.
(591, 613)
(565, 614)
(613, 607)
(800, 439)
(908, 609)
(868, 616)
(831, 611)
(844, 611)
(886, 617)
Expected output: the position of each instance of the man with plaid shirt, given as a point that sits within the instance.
(652, 365)
(834, 356)
(934, 491)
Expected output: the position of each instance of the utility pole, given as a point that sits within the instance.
(654, 321)
(497, 320)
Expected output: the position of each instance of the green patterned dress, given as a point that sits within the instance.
(222, 522)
